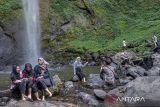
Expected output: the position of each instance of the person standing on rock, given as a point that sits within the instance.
(107, 73)
(124, 44)
(18, 82)
(155, 40)
(29, 76)
(43, 77)
(78, 69)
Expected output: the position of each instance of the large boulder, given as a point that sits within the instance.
(57, 80)
(118, 58)
(156, 59)
(75, 78)
(144, 87)
(118, 92)
(14, 103)
(68, 85)
(94, 81)
(68, 88)
(154, 71)
(12, 42)
(7, 47)
(136, 71)
(100, 94)
(88, 99)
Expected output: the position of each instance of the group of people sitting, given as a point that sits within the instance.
(31, 80)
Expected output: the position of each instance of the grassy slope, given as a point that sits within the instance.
(134, 20)
(109, 22)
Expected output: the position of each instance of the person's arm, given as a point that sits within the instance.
(83, 65)
(74, 68)
(14, 79)
(36, 70)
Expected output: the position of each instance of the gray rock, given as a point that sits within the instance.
(94, 81)
(154, 71)
(88, 99)
(14, 103)
(156, 59)
(146, 87)
(100, 94)
(68, 87)
(124, 81)
(118, 57)
(75, 78)
(5, 99)
(3, 103)
(68, 84)
(119, 91)
(93, 63)
(1, 30)
(136, 71)
(11, 43)
(57, 80)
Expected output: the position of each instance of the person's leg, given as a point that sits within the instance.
(35, 91)
(30, 83)
(43, 94)
(22, 88)
(47, 90)
(45, 87)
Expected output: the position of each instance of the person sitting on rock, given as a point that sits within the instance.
(29, 76)
(78, 69)
(43, 77)
(18, 82)
(126, 59)
(107, 73)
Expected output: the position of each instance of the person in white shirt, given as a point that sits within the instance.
(124, 44)
(155, 40)
(78, 69)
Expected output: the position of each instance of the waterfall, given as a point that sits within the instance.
(32, 42)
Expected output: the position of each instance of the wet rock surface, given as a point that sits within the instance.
(87, 98)
(100, 94)
(136, 71)
(147, 87)
(14, 103)
(94, 81)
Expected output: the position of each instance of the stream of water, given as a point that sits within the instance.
(32, 42)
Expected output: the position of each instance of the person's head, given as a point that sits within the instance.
(16, 69)
(41, 61)
(124, 39)
(78, 59)
(28, 67)
(108, 60)
(103, 64)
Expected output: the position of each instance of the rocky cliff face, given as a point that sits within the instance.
(11, 43)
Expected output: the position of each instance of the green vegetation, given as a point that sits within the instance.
(9, 10)
(92, 25)
(101, 25)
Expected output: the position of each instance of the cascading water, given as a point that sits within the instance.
(32, 42)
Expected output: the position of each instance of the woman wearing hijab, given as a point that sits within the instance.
(29, 76)
(78, 69)
(43, 77)
(18, 81)
(107, 73)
